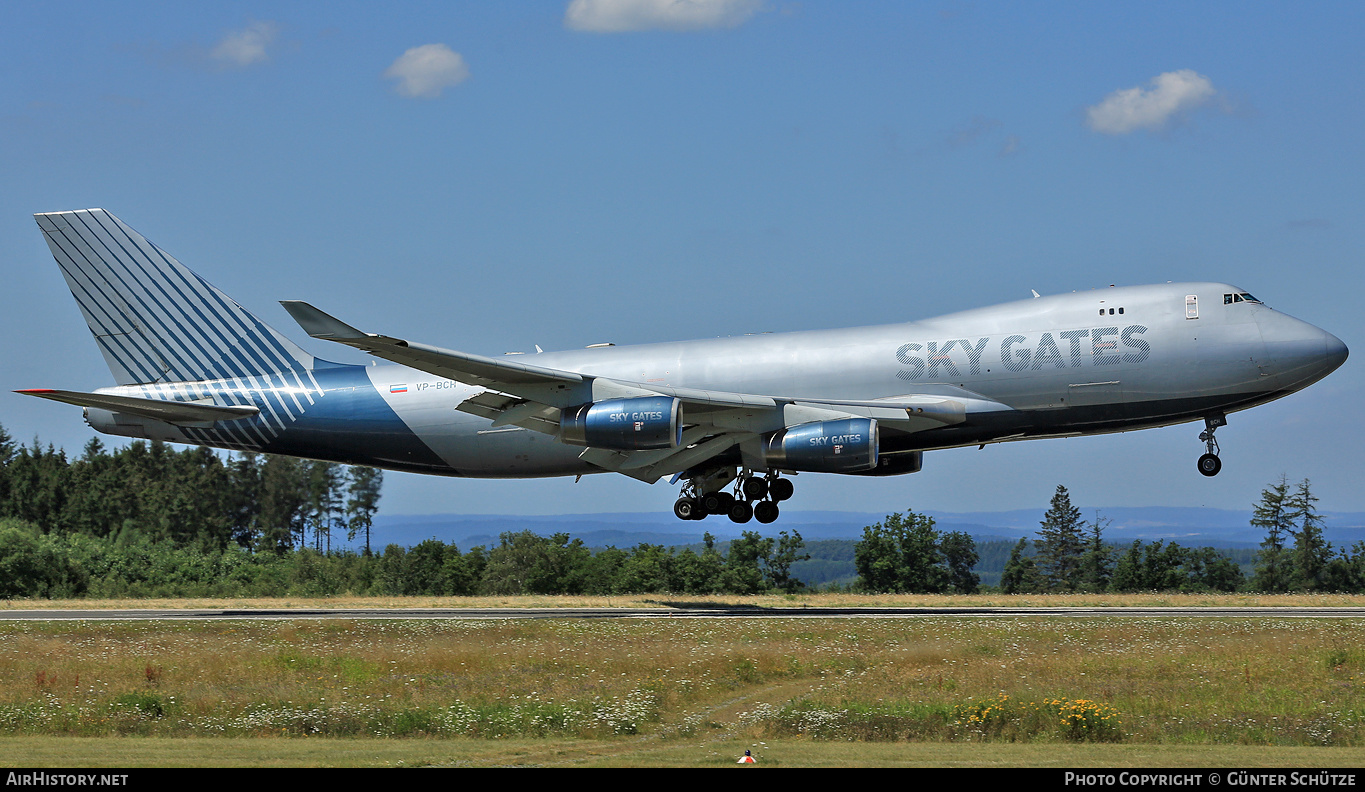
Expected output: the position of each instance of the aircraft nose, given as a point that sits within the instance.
(1300, 353)
(1336, 352)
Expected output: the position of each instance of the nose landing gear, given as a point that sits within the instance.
(1209, 464)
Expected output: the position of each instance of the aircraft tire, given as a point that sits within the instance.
(718, 502)
(1209, 465)
(741, 512)
(765, 512)
(755, 488)
(687, 509)
(781, 489)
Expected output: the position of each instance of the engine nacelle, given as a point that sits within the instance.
(844, 446)
(896, 464)
(640, 424)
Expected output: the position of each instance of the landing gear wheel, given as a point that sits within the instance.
(781, 489)
(741, 512)
(688, 509)
(765, 512)
(755, 488)
(717, 502)
(1209, 463)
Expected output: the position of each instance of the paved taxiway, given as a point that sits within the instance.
(709, 612)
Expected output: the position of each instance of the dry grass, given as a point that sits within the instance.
(1167, 681)
(1151, 599)
(117, 752)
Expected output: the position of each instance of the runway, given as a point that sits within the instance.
(681, 612)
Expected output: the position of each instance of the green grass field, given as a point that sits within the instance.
(1027, 691)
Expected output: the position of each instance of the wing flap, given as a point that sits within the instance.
(504, 410)
(650, 466)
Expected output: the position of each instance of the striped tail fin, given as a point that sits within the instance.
(156, 321)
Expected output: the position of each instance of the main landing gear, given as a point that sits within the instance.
(1209, 463)
(754, 497)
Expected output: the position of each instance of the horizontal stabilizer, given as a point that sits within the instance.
(172, 412)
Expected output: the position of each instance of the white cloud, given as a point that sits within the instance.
(1171, 95)
(423, 72)
(241, 48)
(625, 16)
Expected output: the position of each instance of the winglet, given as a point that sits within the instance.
(318, 324)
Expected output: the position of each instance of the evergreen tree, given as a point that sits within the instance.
(1021, 573)
(1312, 552)
(1163, 567)
(362, 501)
(284, 503)
(7, 447)
(1061, 544)
(324, 500)
(1128, 574)
(1206, 569)
(1346, 570)
(1273, 516)
(6, 454)
(244, 504)
(1096, 563)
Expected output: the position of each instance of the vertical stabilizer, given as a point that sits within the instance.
(155, 320)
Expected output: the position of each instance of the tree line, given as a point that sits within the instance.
(33, 564)
(1070, 555)
(189, 498)
(149, 520)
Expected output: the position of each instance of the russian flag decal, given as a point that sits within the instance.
(398, 389)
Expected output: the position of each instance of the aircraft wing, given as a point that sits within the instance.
(180, 413)
(533, 397)
(459, 366)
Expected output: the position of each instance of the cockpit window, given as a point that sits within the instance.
(1229, 299)
(1248, 297)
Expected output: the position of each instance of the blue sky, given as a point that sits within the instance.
(493, 176)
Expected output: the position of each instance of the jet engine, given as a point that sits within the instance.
(843, 446)
(639, 424)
